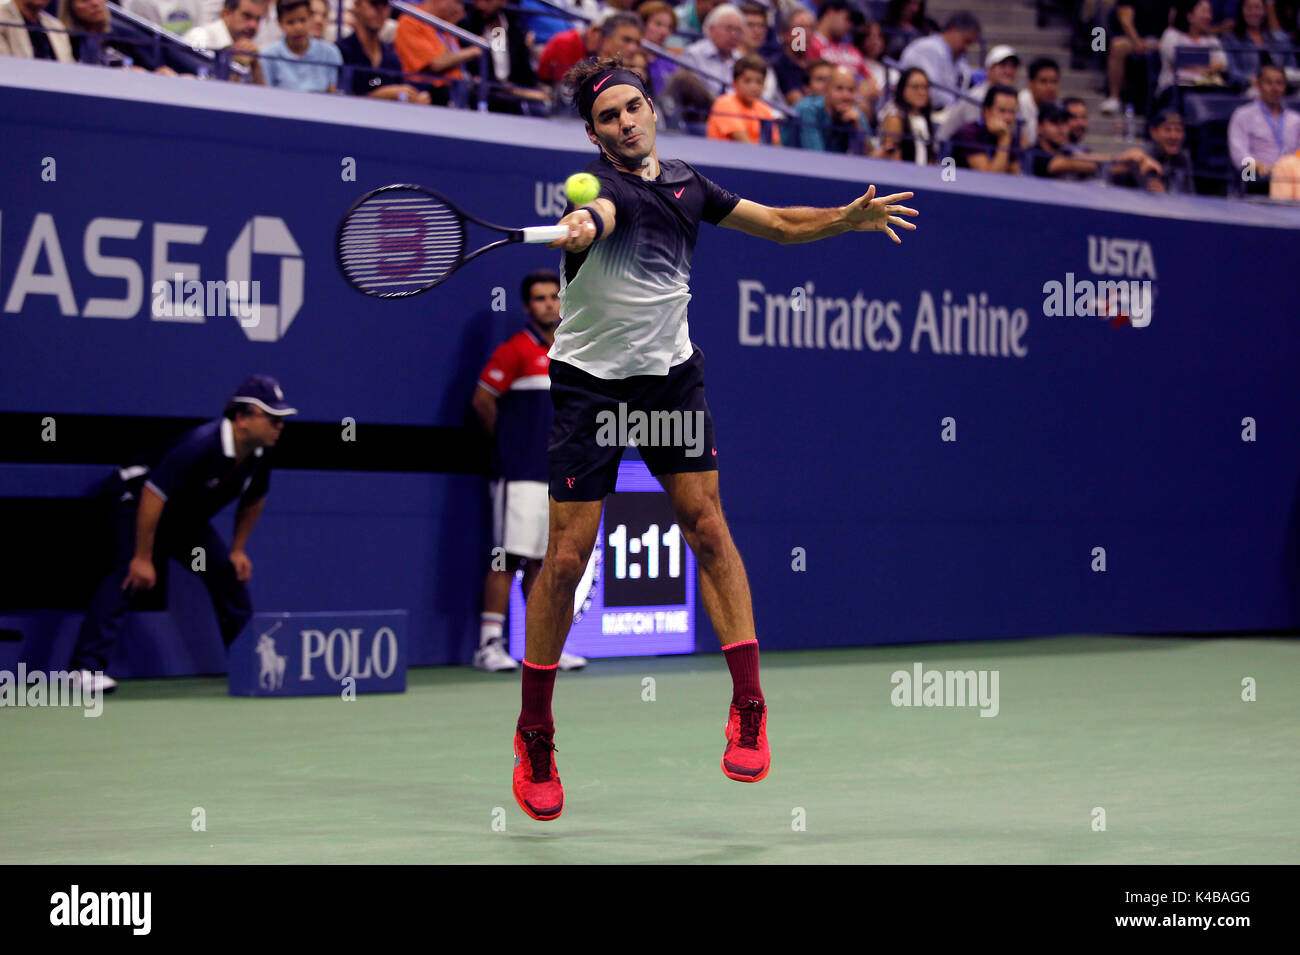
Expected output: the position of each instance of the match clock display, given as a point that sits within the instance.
(644, 551)
(637, 595)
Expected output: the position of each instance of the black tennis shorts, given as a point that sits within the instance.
(665, 416)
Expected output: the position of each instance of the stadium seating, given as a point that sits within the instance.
(1206, 112)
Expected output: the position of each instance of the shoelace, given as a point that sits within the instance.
(751, 716)
(539, 754)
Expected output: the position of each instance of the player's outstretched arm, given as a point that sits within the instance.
(805, 224)
(582, 227)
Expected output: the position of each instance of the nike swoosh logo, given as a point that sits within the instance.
(596, 87)
(679, 192)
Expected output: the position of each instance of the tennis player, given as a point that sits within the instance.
(623, 338)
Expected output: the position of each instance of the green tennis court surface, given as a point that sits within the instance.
(1154, 731)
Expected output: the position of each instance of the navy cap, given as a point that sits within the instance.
(1053, 113)
(1163, 116)
(264, 392)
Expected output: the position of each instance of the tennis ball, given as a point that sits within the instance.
(582, 188)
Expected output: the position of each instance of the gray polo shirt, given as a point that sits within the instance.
(623, 301)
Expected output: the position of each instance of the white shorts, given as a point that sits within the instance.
(521, 517)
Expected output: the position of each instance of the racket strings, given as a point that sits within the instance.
(400, 243)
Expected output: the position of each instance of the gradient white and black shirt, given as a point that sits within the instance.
(623, 301)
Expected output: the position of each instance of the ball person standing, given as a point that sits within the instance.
(513, 403)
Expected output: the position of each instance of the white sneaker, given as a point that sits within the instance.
(493, 658)
(93, 681)
(1109, 106)
(571, 661)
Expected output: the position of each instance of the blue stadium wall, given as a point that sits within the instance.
(1073, 434)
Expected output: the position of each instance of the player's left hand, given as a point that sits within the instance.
(869, 214)
(243, 566)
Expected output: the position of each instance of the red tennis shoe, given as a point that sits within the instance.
(747, 758)
(537, 782)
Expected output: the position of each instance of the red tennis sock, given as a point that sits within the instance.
(539, 684)
(742, 660)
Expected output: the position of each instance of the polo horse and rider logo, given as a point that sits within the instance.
(272, 675)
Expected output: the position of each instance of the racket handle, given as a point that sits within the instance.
(545, 233)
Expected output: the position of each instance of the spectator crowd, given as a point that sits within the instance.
(870, 77)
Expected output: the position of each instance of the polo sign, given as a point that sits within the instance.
(318, 654)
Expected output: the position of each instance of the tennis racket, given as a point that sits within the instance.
(401, 240)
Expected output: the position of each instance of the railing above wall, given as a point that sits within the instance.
(463, 36)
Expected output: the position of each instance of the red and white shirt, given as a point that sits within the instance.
(518, 373)
(840, 54)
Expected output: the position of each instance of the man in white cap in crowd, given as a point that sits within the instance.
(1000, 66)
